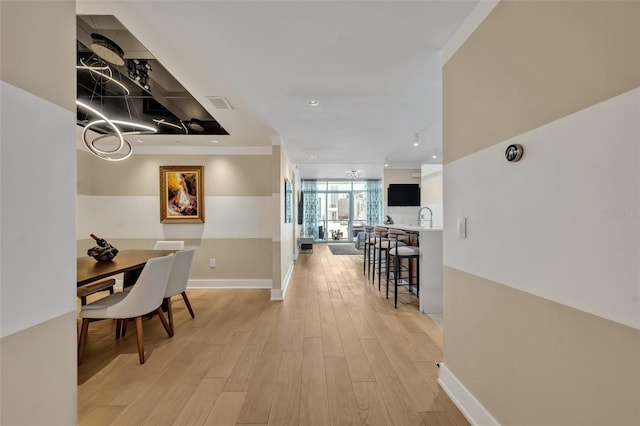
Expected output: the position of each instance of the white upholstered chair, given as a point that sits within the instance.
(145, 296)
(178, 280)
(169, 245)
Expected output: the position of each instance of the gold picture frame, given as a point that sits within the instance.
(181, 194)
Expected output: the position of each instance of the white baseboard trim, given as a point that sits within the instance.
(278, 294)
(230, 283)
(468, 405)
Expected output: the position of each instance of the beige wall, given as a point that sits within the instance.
(29, 42)
(535, 362)
(532, 62)
(225, 175)
(38, 368)
(528, 293)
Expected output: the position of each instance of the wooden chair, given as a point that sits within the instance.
(91, 288)
(145, 296)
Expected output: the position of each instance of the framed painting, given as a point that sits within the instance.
(181, 194)
(288, 201)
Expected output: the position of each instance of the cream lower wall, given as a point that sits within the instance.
(236, 258)
(39, 374)
(531, 361)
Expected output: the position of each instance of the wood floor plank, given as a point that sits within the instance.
(331, 343)
(257, 402)
(101, 415)
(314, 405)
(226, 409)
(198, 407)
(285, 407)
(312, 327)
(373, 410)
(243, 369)
(422, 396)
(394, 394)
(359, 370)
(343, 408)
(226, 356)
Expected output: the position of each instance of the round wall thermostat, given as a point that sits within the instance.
(514, 152)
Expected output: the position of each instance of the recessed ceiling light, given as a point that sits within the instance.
(386, 164)
(215, 141)
(311, 156)
(416, 144)
(313, 102)
(140, 141)
(434, 156)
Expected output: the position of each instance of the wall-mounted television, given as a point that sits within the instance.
(403, 195)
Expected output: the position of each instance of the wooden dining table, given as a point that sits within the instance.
(127, 262)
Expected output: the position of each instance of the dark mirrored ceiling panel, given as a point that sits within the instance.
(118, 77)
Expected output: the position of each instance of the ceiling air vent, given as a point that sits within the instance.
(219, 102)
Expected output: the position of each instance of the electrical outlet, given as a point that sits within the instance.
(212, 263)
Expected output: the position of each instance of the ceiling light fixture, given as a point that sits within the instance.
(196, 125)
(353, 174)
(435, 155)
(311, 156)
(314, 102)
(164, 122)
(98, 70)
(101, 126)
(107, 49)
(416, 136)
(386, 164)
(215, 141)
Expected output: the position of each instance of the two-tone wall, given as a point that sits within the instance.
(38, 370)
(542, 299)
(119, 202)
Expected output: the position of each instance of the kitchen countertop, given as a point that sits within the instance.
(413, 228)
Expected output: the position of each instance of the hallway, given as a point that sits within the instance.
(334, 352)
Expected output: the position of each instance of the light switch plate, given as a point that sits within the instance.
(462, 227)
(212, 263)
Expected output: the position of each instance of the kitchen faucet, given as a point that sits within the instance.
(430, 216)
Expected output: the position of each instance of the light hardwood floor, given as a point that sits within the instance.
(334, 352)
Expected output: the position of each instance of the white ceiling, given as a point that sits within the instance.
(374, 66)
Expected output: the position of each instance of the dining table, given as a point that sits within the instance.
(127, 262)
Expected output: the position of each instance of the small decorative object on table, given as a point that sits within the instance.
(103, 252)
(336, 234)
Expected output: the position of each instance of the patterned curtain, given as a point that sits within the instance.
(310, 208)
(373, 202)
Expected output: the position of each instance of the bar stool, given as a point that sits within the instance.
(368, 237)
(375, 234)
(396, 256)
(382, 247)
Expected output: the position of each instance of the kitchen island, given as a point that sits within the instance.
(430, 242)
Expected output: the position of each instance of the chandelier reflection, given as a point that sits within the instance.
(105, 137)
